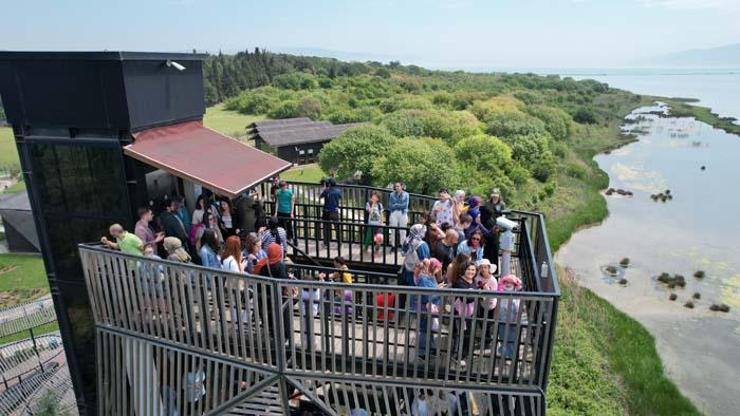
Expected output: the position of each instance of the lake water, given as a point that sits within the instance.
(699, 229)
(717, 89)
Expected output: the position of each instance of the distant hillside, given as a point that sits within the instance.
(723, 56)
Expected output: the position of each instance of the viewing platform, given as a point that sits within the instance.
(204, 341)
(123, 137)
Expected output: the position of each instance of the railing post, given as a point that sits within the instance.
(35, 348)
(279, 340)
(550, 341)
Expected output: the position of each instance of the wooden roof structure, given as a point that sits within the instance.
(293, 131)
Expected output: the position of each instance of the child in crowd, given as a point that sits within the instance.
(342, 298)
(507, 243)
(374, 211)
(509, 314)
(310, 303)
(424, 305)
(487, 282)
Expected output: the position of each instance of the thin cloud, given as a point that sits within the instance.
(727, 5)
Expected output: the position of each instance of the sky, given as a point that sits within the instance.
(451, 34)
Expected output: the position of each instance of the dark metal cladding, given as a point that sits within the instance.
(72, 113)
(113, 90)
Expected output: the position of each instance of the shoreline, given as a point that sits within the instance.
(715, 121)
(662, 331)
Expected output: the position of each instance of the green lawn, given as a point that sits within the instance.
(16, 187)
(22, 277)
(39, 330)
(304, 173)
(228, 122)
(8, 151)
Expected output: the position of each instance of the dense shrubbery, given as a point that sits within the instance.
(533, 152)
(585, 115)
(557, 122)
(296, 81)
(440, 124)
(495, 130)
(357, 149)
(513, 123)
(424, 164)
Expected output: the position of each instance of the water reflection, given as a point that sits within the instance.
(698, 229)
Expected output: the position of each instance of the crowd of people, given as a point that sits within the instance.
(457, 244)
(210, 234)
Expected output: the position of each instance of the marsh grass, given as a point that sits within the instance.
(605, 363)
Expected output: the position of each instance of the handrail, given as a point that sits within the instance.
(209, 311)
(363, 187)
(225, 324)
(542, 250)
(303, 253)
(97, 247)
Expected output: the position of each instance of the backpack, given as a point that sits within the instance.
(412, 257)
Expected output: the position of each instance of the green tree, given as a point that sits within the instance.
(383, 73)
(533, 152)
(585, 115)
(485, 163)
(296, 81)
(424, 164)
(557, 122)
(442, 124)
(513, 123)
(356, 149)
(286, 109)
(487, 154)
(253, 102)
(309, 107)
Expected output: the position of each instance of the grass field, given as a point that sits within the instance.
(39, 330)
(8, 151)
(22, 278)
(228, 122)
(304, 173)
(16, 187)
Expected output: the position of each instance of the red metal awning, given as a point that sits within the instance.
(198, 154)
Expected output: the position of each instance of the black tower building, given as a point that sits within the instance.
(71, 114)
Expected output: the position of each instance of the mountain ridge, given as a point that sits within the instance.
(721, 56)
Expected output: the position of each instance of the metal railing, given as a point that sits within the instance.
(353, 196)
(25, 316)
(177, 336)
(351, 238)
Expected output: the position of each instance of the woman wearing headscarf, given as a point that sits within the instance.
(414, 250)
(272, 265)
(175, 251)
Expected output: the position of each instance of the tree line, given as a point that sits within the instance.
(227, 75)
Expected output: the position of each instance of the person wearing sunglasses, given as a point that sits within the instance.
(472, 247)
